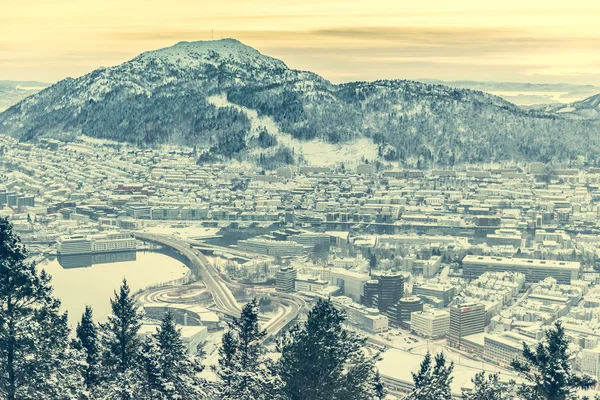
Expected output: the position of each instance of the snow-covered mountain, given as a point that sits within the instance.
(12, 92)
(527, 94)
(584, 109)
(227, 97)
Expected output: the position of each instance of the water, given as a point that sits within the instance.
(86, 279)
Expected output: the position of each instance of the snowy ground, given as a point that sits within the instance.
(188, 232)
(315, 152)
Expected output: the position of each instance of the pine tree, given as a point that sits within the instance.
(178, 372)
(432, 381)
(151, 383)
(490, 388)
(36, 359)
(121, 343)
(88, 341)
(547, 369)
(227, 364)
(322, 361)
(248, 375)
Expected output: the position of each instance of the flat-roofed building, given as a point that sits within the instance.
(284, 279)
(352, 283)
(438, 290)
(534, 270)
(465, 319)
(502, 349)
(273, 248)
(431, 324)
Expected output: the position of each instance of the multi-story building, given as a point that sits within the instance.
(502, 349)
(465, 319)
(365, 318)
(305, 284)
(440, 291)
(391, 289)
(399, 313)
(534, 270)
(273, 248)
(430, 324)
(590, 362)
(284, 279)
(109, 242)
(351, 282)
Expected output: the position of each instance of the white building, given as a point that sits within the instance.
(430, 324)
(352, 283)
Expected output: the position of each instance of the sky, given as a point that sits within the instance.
(342, 40)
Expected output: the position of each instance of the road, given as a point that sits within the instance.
(200, 265)
(220, 289)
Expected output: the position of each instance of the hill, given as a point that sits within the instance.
(230, 99)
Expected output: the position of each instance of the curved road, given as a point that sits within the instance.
(220, 290)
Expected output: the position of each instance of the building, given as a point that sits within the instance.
(305, 284)
(502, 349)
(285, 279)
(102, 243)
(534, 270)
(273, 248)
(465, 319)
(399, 313)
(439, 291)
(351, 283)
(363, 317)
(391, 289)
(432, 324)
(371, 294)
(590, 362)
(311, 239)
(192, 336)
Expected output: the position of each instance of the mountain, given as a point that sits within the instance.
(527, 94)
(227, 98)
(12, 92)
(584, 109)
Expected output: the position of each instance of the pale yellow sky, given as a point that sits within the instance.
(342, 40)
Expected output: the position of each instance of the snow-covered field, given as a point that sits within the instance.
(315, 152)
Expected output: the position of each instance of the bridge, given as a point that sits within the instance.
(220, 289)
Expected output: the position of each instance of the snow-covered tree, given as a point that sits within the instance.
(178, 372)
(227, 363)
(322, 361)
(548, 371)
(490, 388)
(36, 359)
(245, 374)
(121, 343)
(432, 381)
(89, 342)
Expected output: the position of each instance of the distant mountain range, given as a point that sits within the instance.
(527, 94)
(12, 92)
(231, 101)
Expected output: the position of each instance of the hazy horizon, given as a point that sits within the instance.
(464, 40)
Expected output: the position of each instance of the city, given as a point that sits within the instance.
(472, 262)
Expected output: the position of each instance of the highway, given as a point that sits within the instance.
(201, 266)
(220, 289)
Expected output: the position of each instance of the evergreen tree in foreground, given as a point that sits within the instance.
(121, 345)
(179, 374)
(36, 359)
(490, 388)
(432, 381)
(244, 373)
(548, 371)
(322, 361)
(89, 342)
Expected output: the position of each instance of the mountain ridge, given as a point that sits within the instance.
(162, 96)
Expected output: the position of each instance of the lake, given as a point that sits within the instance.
(91, 279)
